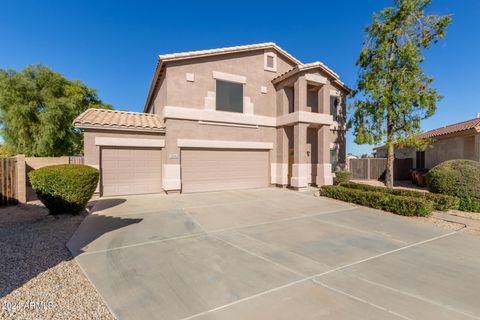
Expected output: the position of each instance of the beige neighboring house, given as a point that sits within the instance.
(457, 141)
(239, 117)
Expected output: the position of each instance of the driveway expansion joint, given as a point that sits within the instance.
(312, 277)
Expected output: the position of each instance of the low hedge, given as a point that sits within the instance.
(64, 188)
(441, 202)
(342, 176)
(402, 205)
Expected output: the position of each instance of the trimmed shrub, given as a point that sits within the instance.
(65, 188)
(342, 176)
(459, 178)
(441, 202)
(402, 205)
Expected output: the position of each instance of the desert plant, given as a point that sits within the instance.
(459, 178)
(441, 202)
(64, 188)
(402, 205)
(342, 176)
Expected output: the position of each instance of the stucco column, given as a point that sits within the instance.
(172, 182)
(300, 168)
(324, 167)
(300, 94)
(21, 179)
(279, 171)
(324, 99)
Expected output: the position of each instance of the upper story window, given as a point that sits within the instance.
(333, 107)
(229, 96)
(270, 61)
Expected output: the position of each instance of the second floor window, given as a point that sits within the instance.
(333, 107)
(229, 96)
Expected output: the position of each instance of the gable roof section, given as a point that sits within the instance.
(311, 66)
(473, 124)
(162, 59)
(120, 120)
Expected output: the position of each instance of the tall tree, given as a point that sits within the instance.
(394, 92)
(37, 107)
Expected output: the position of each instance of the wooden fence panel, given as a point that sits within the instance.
(75, 160)
(375, 168)
(378, 168)
(359, 168)
(8, 180)
(401, 169)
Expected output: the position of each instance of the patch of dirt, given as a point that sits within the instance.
(39, 278)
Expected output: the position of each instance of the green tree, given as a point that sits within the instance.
(4, 153)
(394, 92)
(37, 107)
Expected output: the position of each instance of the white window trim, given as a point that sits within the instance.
(217, 75)
(265, 65)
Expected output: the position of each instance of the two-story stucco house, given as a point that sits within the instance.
(238, 117)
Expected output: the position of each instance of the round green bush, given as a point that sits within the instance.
(459, 178)
(65, 188)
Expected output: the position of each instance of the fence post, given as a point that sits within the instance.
(21, 179)
(368, 168)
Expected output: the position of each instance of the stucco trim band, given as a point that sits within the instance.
(200, 114)
(229, 77)
(129, 142)
(222, 144)
(306, 117)
(315, 79)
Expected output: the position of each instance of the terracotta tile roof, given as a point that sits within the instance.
(209, 52)
(113, 119)
(453, 128)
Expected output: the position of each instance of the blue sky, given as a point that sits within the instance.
(113, 45)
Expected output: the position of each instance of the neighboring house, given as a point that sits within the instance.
(238, 117)
(457, 141)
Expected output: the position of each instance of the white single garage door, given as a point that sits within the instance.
(219, 169)
(127, 170)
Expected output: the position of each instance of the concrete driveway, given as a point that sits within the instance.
(273, 254)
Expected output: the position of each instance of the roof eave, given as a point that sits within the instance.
(117, 128)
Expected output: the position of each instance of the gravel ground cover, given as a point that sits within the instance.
(38, 277)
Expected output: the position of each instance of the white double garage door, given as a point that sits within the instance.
(129, 170)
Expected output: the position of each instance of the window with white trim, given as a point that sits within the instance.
(229, 96)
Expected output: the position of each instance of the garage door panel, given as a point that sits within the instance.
(211, 170)
(131, 171)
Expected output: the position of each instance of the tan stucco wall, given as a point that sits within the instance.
(92, 151)
(450, 148)
(462, 147)
(184, 129)
(183, 93)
